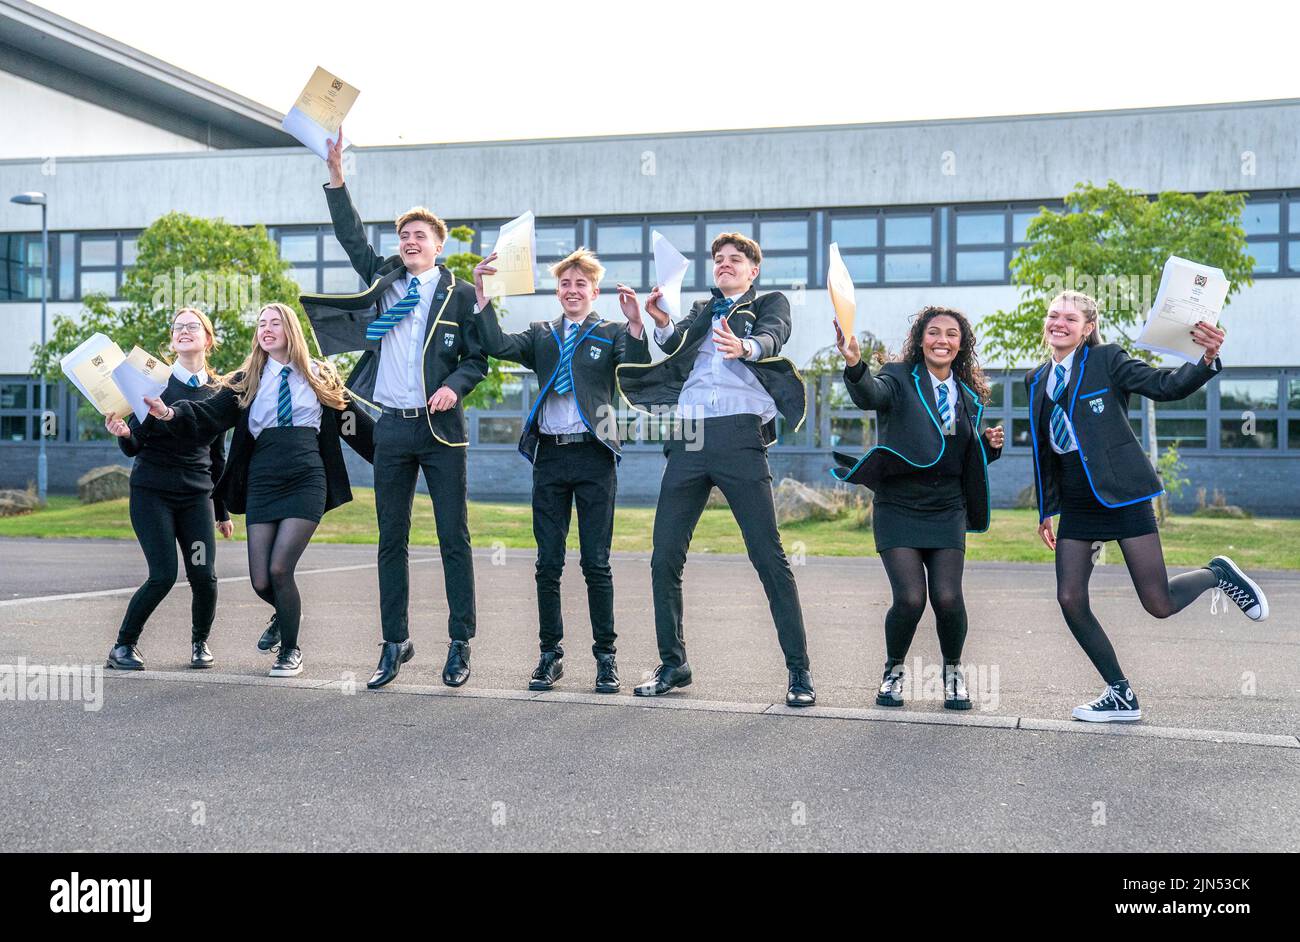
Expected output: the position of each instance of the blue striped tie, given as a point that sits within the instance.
(564, 373)
(1060, 425)
(388, 320)
(194, 381)
(945, 412)
(284, 406)
(721, 307)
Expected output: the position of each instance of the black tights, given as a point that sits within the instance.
(1160, 595)
(273, 553)
(907, 570)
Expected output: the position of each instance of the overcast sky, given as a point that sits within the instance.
(504, 69)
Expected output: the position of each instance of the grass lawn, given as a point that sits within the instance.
(1188, 541)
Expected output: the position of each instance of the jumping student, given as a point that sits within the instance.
(172, 503)
(724, 376)
(1089, 468)
(422, 359)
(286, 467)
(571, 437)
(929, 478)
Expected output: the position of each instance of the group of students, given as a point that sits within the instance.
(427, 344)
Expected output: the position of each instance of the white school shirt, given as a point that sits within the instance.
(263, 413)
(399, 382)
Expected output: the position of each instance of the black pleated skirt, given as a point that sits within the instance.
(286, 476)
(1083, 517)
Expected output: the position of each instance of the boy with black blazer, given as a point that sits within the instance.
(422, 358)
(571, 437)
(725, 377)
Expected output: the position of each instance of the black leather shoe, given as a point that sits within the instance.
(801, 693)
(270, 638)
(607, 674)
(456, 671)
(549, 669)
(287, 664)
(201, 655)
(391, 659)
(125, 657)
(664, 680)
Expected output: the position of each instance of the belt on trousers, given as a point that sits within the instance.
(572, 438)
(416, 413)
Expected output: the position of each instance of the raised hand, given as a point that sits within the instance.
(159, 410)
(631, 308)
(334, 158)
(1209, 337)
(483, 268)
(657, 314)
(847, 346)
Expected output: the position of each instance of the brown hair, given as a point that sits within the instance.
(585, 261)
(965, 366)
(1086, 305)
(420, 214)
(210, 338)
(323, 378)
(748, 247)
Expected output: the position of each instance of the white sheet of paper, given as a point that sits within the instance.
(840, 284)
(670, 271)
(516, 249)
(1189, 292)
(319, 111)
(141, 374)
(90, 368)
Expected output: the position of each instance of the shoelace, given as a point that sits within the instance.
(1239, 594)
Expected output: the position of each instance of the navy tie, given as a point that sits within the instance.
(721, 307)
(194, 381)
(284, 406)
(389, 319)
(1060, 425)
(564, 373)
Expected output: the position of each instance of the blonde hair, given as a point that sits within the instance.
(210, 342)
(420, 214)
(323, 378)
(1086, 305)
(585, 261)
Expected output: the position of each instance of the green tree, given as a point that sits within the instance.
(1112, 243)
(462, 265)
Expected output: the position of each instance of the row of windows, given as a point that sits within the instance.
(935, 245)
(1248, 409)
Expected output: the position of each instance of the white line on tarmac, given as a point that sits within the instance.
(721, 706)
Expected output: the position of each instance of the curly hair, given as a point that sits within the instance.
(966, 365)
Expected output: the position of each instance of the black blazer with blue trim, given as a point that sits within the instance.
(453, 353)
(602, 345)
(1101, 379)
(910, 436)
(763, 318)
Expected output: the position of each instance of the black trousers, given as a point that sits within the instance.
(582, 473)
(162, 521)
(404, 448)
(734, 458)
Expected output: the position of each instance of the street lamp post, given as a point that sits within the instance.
(39, 199)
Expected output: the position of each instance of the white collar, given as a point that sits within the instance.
(275, 366)
(184, 375)
(1067, 362)
(422, 275)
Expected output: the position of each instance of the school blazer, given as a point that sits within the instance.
(1096, 401)
(911, 437)
(214, 415)
(602, 345)
(762, 318)
(453, 353)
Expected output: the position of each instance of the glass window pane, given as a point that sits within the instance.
(715, 228)
(499, 430)
(332, 251)
(13, 396)
(626, 271)
(512, 394)
(1019, 395)
(97, 282)
(1020, 433)
(783, 270)
(996, 393)
(340, 280)
(388, 242)
(1293, 216)
(1293, 255)
(555, 241)
(980, 228)
(908, 230)
(907, 266)
(783, 234)
(1237, 434)
(619, 240)
(306, 278)
(67, 261)
(1261, 218)
(1265, 255)
(13, 428)
(298, 248)
(981, 266)
(1020, 226)
(854, 233)
(681, 235)
(1293, 400)
(1188, 433)
(1247, 394)
(863, 269)
(1196, 400)
(848, 432)
(454, 246)
(93, 252)
(486, 239)
(130, 251)
(1293, 433)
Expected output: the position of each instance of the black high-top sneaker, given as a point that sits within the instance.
(1119, 704)
(1239, 587)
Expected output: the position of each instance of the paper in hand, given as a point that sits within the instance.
(141, 374)
(319, 112)
(90, 368)
(516, 249)
(840, 284)
(1189, 292)
(670, 271)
